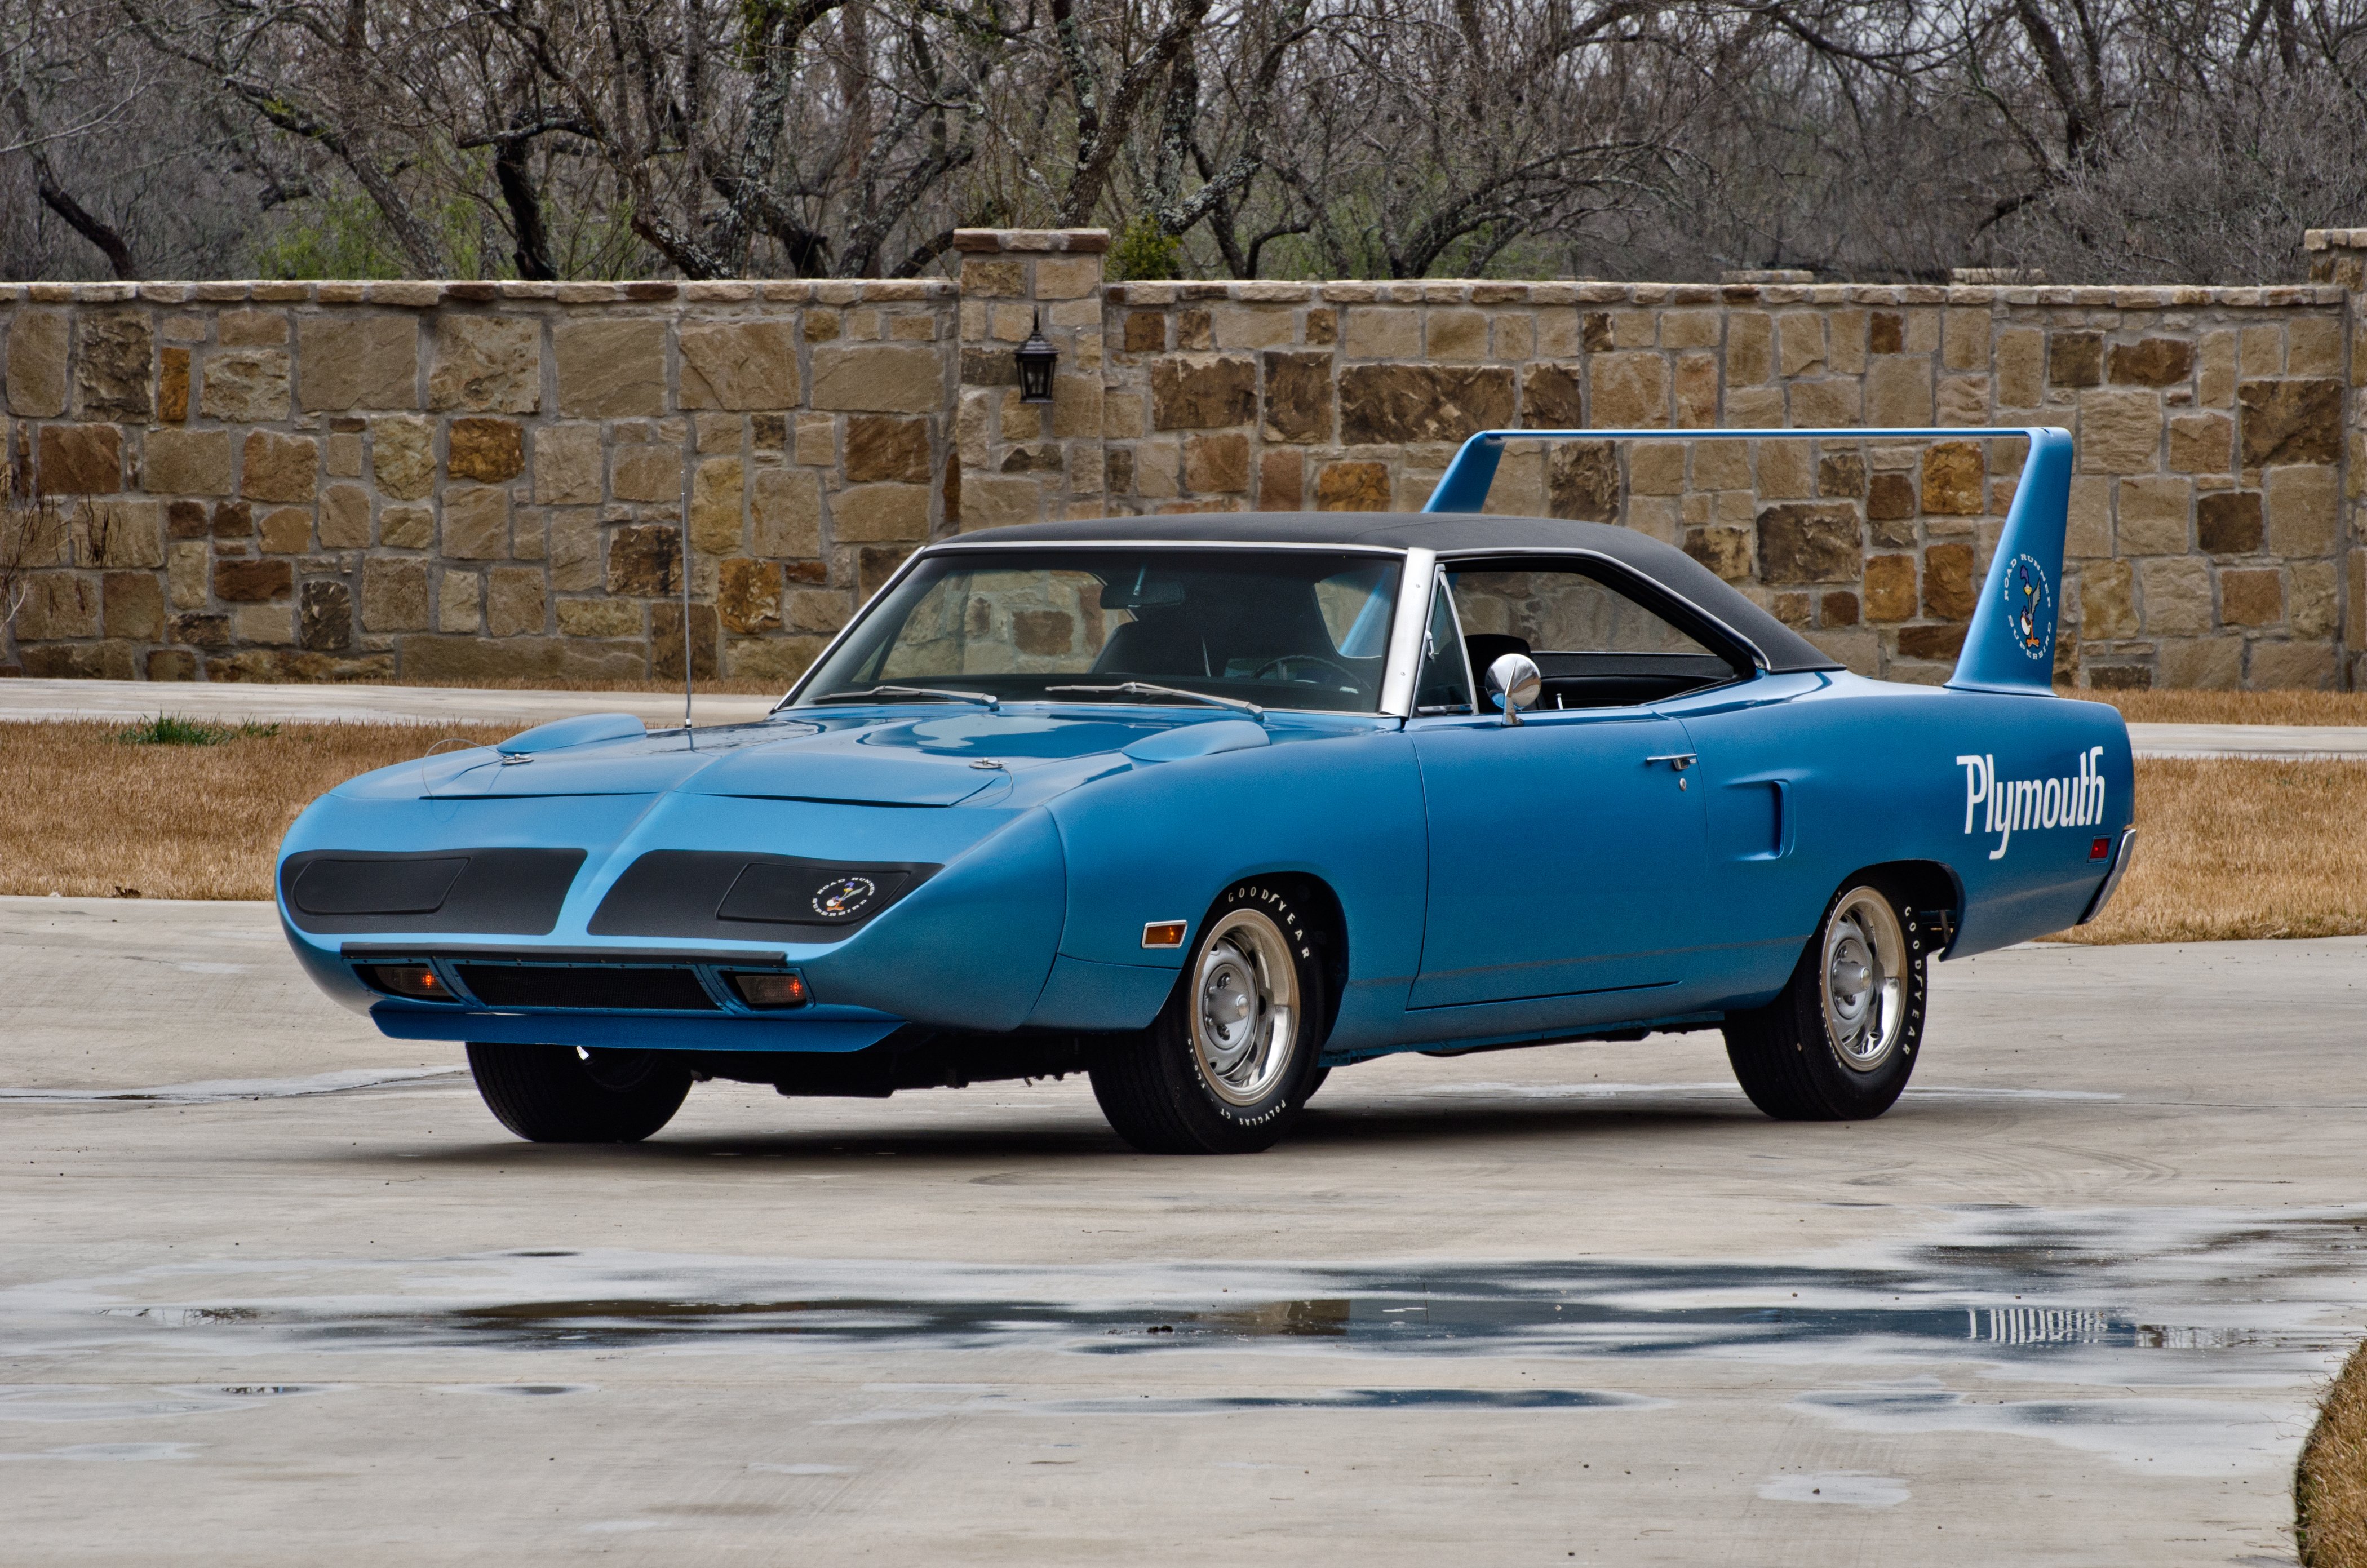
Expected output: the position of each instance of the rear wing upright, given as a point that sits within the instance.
(2010, 646)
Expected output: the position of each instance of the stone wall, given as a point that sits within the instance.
(2204, 546)
(465, 481)
(308, 482)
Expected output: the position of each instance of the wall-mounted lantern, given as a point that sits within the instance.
(1035, 359)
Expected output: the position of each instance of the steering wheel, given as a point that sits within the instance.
(1282, 662)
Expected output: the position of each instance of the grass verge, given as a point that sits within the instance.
(2228, 850)
(91, 813)
(2330, 1482)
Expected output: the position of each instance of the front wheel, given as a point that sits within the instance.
(1838, 1042)
(560, 1094)
(1229, 1062)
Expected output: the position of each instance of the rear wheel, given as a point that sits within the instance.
(1837, 1043)
(1231, 1059)
(560, 1094)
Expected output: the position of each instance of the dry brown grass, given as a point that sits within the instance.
(2224, 850)
(87, 815)
(2330, 1482)
(2228, 850)
(2234, 707)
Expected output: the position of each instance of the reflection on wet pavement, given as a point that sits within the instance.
(2006, 1286)
(2135, 1304)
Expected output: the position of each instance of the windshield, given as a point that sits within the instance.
(1277, 628)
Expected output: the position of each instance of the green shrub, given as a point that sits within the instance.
(165, 730)
(1144, 251)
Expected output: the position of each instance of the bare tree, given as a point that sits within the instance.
(1397, 137)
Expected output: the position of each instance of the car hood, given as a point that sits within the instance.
(929, 759)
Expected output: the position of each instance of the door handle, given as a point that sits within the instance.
(1679, 761)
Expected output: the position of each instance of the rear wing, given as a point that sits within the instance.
(2009, 645)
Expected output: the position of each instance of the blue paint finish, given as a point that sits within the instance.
(1529, 826)
(1199, 739)
(581, 731)
(1338, 800)
(1870, 777)
(2010, 644)
(970, 948)
(1496, 884)
(842, 767)
(1082, 995)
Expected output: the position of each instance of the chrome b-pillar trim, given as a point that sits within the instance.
(1404, 665)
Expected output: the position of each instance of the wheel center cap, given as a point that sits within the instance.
(1226, 1000)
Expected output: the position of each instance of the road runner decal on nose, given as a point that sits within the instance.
(2076, 801)
(843, 896)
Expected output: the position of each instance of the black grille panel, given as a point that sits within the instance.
(495, 891)
(706, 893)
(666, 990)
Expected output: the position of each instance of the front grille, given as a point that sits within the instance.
(503, 892)
(672, 989)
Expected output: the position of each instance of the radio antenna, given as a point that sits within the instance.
(689, 739)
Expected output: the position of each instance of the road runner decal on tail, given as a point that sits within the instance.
(2010, 643)
(2074, 801)
(2029, 608)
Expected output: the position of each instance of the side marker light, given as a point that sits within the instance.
(2101, 850)
(1164, 933)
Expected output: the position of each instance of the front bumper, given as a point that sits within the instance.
(971, 949)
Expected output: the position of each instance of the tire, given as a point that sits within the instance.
(1838, 1042)
(556, 1094)
(1228, 1064)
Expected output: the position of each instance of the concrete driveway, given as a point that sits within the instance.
(274, 1289)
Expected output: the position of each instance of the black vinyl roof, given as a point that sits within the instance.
(1447, 532)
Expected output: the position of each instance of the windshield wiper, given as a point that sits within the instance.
(990, 700)
(1144, 688)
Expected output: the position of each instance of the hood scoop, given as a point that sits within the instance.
(866, 776)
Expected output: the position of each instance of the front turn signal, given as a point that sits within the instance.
(417, 981)
(772, 990)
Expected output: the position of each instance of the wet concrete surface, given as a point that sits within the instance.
(276, 1290)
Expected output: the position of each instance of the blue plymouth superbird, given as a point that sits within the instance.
(1207, 806)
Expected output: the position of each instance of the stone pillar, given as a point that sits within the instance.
(2339, 256)
(1028, 463)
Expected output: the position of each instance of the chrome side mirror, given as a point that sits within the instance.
(1514, 680)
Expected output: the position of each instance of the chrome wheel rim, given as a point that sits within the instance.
(1864, 979)
(1245, 1009)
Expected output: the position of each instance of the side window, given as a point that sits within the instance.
(1597, 645)
(1445, 683)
